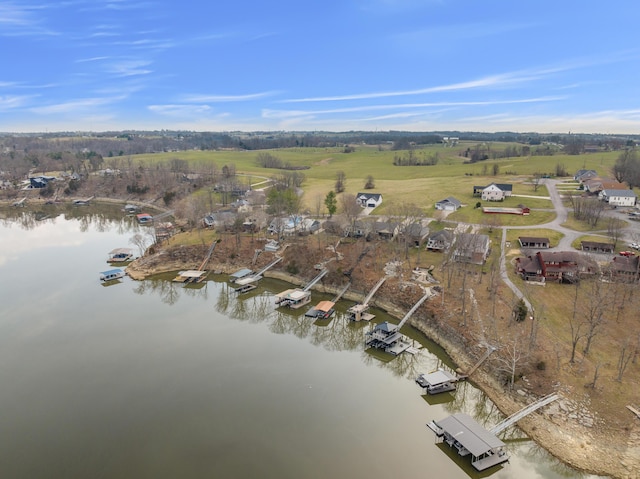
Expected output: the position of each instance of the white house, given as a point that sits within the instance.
(448, 204)
(618, 197)
(369, 200)
(493, 193)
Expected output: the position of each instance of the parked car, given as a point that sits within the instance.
(634, 246)
(627, 253)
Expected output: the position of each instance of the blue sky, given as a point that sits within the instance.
(335, 65)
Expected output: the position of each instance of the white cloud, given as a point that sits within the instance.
(226, 98)
(180, 110)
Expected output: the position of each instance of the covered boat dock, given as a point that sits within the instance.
(461, 432)
(322, 310)
(438, 381)
(190, 276)
(293, 298)
(120, 255)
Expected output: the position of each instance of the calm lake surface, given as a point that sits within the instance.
(150, 379)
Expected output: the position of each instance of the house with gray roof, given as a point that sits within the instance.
(618, 197)
(448, 204)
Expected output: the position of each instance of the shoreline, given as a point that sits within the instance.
(582, 448)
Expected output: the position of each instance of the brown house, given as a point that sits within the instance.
(625, 268)
(561, 266)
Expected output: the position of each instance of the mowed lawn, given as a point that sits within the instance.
(418, 185)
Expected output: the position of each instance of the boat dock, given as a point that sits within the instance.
(120, 255)
(191, 276)
(296, 298)
(111, 275)
(241, 273)
(461, 432)
(438, 381)
(360, 312)
(293, 298)
(324, 309)
(386, 336)
(254, 278)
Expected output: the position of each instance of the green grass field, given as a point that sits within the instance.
(419, 185)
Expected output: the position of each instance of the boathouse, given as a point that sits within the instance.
(191, 276)
(322, 310)
(111, 275)
(461, 432)
(242, 273)
(438, 381)
(293, 298)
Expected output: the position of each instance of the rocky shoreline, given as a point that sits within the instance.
(564, 429)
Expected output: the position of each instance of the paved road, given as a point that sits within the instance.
(630, 234)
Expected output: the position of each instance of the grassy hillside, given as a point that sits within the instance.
(421, 185)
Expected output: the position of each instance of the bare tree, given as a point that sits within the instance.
(595, 304)
(623, 360)
(512, 355)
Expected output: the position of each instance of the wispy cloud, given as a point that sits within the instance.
(9, 102)
(180, 110)
(226, 98)
(16, 20)
(130, 68)
(92, 59)
(75, 106)
(270, 113)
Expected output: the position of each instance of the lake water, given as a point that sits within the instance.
(151, 379)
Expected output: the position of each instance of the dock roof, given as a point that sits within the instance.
(464, 429)
(324, 306)
(241, 273)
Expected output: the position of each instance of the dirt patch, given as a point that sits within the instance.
(324, 162)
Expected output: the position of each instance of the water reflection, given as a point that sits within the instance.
(183, 386)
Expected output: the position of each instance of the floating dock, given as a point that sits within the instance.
(438, 381)
(254, 278)
(322, 310)
(245, 288)
(296, 298)
(386, 336)
(293, 298)
(120, 255)
(462, 433)
(241, 273)
(111, 275)
(190, 276)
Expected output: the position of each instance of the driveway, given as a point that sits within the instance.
(630, 234)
